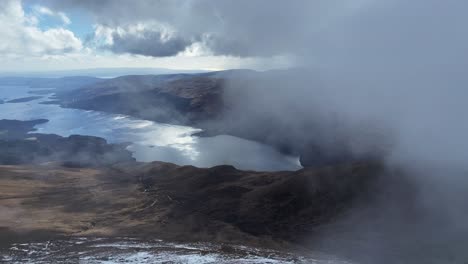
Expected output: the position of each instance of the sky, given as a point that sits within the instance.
(39, 35)
(346, 35)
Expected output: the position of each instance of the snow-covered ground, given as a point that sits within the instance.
(127, 250)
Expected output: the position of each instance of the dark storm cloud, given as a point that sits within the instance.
(148, 43)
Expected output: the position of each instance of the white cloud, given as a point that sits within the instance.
(88, 58)
(64, 18)
(21, 36)
(42, 10)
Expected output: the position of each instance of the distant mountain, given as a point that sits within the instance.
(171, 98)
(98, 72)
(58, 83)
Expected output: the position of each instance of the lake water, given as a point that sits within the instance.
(149, 140)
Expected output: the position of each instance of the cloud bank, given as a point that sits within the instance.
(21, 36)
(233, 28)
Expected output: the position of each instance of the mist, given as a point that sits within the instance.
(392, 76)
(401, 65)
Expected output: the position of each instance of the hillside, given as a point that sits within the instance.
(177, 98)
(167, 201)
